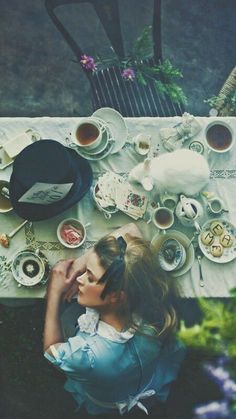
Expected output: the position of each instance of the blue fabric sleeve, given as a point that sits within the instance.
(73, 356)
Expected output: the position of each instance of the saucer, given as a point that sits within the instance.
(158, 239)
(29, 268)
(116, 123)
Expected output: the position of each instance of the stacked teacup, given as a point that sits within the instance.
(90, 137)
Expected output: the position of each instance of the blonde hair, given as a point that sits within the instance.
(147, 289)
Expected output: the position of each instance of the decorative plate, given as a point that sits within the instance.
(116, 123)
(159, 238)
(29, 268)
(229, 253)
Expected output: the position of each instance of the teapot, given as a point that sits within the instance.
(189, 211)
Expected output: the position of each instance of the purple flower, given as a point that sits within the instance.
(88, 63)
(128, 74)
(213, 410)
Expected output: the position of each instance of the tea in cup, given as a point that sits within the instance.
(142, 144)
(5, 203)
(219, 137)
(163, 218)
(88, 134)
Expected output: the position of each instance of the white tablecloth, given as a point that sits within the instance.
(218, 278)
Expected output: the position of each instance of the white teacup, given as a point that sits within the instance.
(30, 267)
(88, 133)
(169, 200)
(172, 255)
(216, 206)
(219, 136)
(142, 144)
(163, 218)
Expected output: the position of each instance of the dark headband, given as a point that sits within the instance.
(113, 274)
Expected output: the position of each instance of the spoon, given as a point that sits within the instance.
(5, 238)
(199, 259)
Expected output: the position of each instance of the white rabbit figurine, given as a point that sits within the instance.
(181, 171)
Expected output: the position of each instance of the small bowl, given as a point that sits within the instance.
(70, 233)
(172, 255)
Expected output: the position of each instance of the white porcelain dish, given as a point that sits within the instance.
(117, 125)
(229, 253)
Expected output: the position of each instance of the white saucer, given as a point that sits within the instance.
(116, 123)
(23, 264)
(158, 239)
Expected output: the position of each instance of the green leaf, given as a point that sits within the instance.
(141, 78)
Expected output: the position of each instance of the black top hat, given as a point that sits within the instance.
(48, 162)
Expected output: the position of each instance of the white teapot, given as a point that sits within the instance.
(189, 212)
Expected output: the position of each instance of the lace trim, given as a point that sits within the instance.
(223, 174)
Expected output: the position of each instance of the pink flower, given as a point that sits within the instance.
(88, 62)
(128, 74)
(71, 234)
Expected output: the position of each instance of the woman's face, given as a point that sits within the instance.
(89, 290)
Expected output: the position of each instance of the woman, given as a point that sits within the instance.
(123, 349)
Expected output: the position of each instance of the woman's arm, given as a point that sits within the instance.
(56, 287)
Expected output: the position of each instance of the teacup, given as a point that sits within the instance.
(172, 255)
(142, 143)
(29, 267)
(215, 206)
(88, 133)
(169, 200)
(5, 203)
(219, 137)
(163, 218)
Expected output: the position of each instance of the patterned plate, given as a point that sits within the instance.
(229, 253)
(184, 240)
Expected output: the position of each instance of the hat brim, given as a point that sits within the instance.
(37, 212)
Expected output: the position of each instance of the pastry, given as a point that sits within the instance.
(226, 240)
(216, 250)
(217, 228)
(207, 238)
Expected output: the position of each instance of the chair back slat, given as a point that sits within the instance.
(109, 89)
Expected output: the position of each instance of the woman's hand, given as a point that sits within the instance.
(77, 268)
(58, 280)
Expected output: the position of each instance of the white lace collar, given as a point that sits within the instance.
(90, 323)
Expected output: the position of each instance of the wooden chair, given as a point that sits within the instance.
(108, 87)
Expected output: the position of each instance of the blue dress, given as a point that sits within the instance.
(109, 370)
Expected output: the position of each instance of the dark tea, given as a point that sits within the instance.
(163, 217)
(219, 137)
(87, 133)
